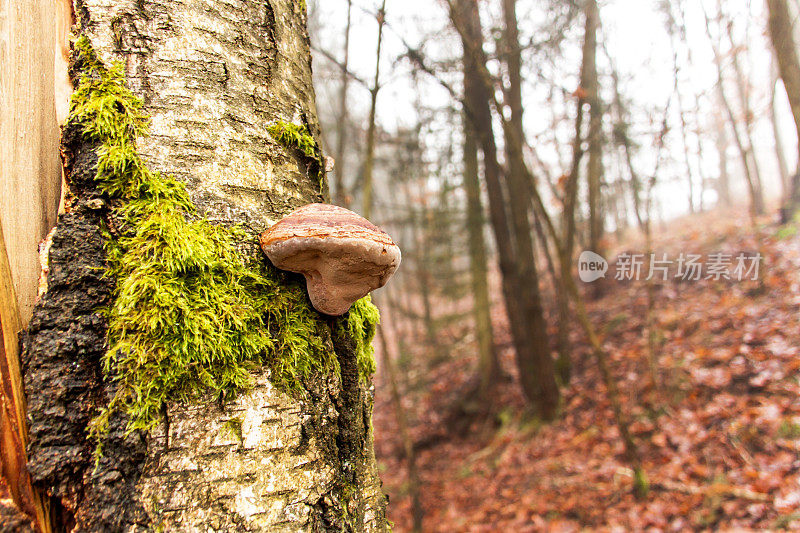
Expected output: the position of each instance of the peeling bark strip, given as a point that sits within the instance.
(214, 76)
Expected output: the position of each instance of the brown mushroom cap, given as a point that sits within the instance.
(342, 255)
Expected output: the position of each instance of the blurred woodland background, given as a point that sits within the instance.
(497, 139)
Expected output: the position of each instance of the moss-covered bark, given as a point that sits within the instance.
(213, 77)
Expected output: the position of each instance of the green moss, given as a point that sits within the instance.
(190, 314)
(294, 136)
(234, 427)
(785, 521)
(789, 430)
(298, 138)
(786, 232)
(361, 324)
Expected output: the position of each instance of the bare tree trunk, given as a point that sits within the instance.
(621, 130)
(675, 29)
(210, 77)
(488, 365)
(422, 272)
(701, 173)
(756, 200)
(588, 88)
(342, 197)
(723, 181)
(369, 156)
(744, 96)
(563, 362)
(571, 189)
(537, 371)
(783, 167)
(682, 116)
(590, 84)
(780, 30)
(680, 25)
(464, 14)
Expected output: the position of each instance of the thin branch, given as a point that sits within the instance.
(327, 55)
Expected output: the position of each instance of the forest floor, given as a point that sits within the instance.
(720, 435)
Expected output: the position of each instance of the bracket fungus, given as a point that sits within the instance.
(342, 255)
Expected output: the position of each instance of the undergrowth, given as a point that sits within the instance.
(190, 315)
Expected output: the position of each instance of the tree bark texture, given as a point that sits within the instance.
(213, 76)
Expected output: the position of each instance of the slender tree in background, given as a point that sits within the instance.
(623, 140)
(677, 35)
(588, 78)
(756, 198)
(589, 83)
(478, 113)
(698, 132)
(341, 197)
(471, 40)
(488, 365)
(537, 370)
(402, 425)
(683, 129)
(721, 141)
(780, 31)
(743, 90)
(419, 219)
(369, 156)
(780, 155)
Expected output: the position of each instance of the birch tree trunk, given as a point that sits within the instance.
(213, 76)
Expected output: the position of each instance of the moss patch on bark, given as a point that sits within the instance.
(297, 137)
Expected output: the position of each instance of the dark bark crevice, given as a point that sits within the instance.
(351, 437)
(62, 352)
